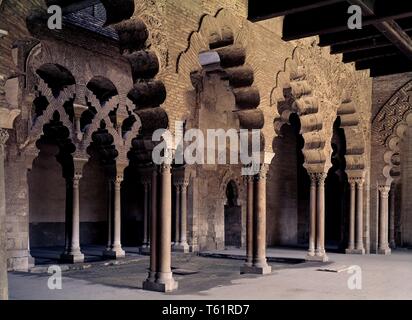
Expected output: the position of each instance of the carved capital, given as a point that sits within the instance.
(263, 172)
(384, 190)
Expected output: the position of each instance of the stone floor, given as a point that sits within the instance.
(215, 275)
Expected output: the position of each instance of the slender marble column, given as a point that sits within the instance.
(146, 186)
(3, 252)
(75, 255)
(177, 215)
(68, 215)
(320, 250)
(116, 250)
(351, 246)
(359, 215)
(312, 226)
(249, 223)
(153, 229)
(184, 246)
(383, 220)
(109, 214)
(164, 281)
(392, 243)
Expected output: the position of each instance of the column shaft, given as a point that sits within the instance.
(383, 220)
(352, 216)
(146, 215)
(183, 218)
(359, 213)
(259, 205)
(312, 226)
(392, 243)
(117, 251)
(109, 214)
(321, 216)
(3, 248)
(177, 215)
(153, 227)
(249, 222)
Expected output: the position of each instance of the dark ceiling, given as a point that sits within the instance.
(383, 45)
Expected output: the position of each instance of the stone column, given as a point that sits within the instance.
(3, 237)
(351, 246)
(383, 220)
(146, 186)
(392, 242)
(183, 245)
(164, 281)
(312, 223)
(249, 223)
(320, 239)
(153, 232)
(109, 215)
(116, 250)
(68, 215)
(259, 265)
(75, 255)
(177, 215)
(359, 217)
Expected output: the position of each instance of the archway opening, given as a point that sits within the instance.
(336, 194)
(48, 193)
(233, 217)
(288, 189)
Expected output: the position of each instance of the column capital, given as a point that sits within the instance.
(318, 177)
(78, 168)
(263, 172)
(384, 190)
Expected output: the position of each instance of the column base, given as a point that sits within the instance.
(166, 285)
(355, 251)
(385, 251)
(114, 253)
(30, 261)
(247, 269)
(72, 257)
(145, 249)
(181, 247)
(317, 258)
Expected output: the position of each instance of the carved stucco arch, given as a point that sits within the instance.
(317, 114)
(227, 35)
(388, 130)
(350, 122)
(122, 143)
(293, 94)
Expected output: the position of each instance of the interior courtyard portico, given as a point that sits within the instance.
(79, 108)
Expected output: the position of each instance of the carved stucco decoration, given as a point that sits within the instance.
(389, 127)
(122, 142)
(391, 114)
(332, 87)
(152, 13)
